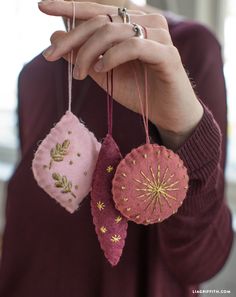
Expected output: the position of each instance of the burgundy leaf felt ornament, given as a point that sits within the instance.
(110, 225)
(151, 182)
(64, 162)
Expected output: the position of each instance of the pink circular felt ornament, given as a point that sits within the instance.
(150, 184)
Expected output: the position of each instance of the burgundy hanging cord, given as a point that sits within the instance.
(110, 97)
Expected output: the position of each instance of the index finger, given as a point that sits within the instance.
(83, 10)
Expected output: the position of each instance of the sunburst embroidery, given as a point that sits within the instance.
(155, 189)
(100, 205)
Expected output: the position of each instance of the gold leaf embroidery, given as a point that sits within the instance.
(62, 182)
(59, 152)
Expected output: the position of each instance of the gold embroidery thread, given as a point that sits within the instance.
(118, 219)
(59, 152)
(109, 169)
(155, 189)
(100, 205)
(63, 183)
(103, 229)
(115, 238)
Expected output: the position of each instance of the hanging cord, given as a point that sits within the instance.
(143, 105)
(144, 109)
(110, 101)
(110, 87)
(70, 58)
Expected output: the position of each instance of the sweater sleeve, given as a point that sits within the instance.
(196, 242)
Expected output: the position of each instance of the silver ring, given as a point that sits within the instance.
(138, 30)
(122, 12)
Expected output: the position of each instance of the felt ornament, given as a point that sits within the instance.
(110, 225)
(151, 182)
(64, 162)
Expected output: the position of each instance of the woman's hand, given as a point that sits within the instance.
(173, 106)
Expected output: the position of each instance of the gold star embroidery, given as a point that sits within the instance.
(100, 205)
(109, 169)
(118, 219)
(115, 238)
(103, 229)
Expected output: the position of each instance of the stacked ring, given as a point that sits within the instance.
(138, 31)
(122, 12)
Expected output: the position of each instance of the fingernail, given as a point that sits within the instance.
(45, 2)
(98, 66)
(76, 72)
(48, 51)
(42, 2)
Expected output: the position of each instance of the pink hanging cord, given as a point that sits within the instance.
(144, 109)
(70, 58)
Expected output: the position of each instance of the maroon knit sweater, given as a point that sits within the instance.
(48, 252)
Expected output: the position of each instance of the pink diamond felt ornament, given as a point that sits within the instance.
(64, 162)
(151, 182)
(110, 225)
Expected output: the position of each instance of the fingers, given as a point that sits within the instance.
(103, 40)
(90, 48)
(76, 37)
(147, 51)
(96, 36)
(83, 10)
(88, 10)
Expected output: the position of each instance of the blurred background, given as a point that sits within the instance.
(26, 33)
